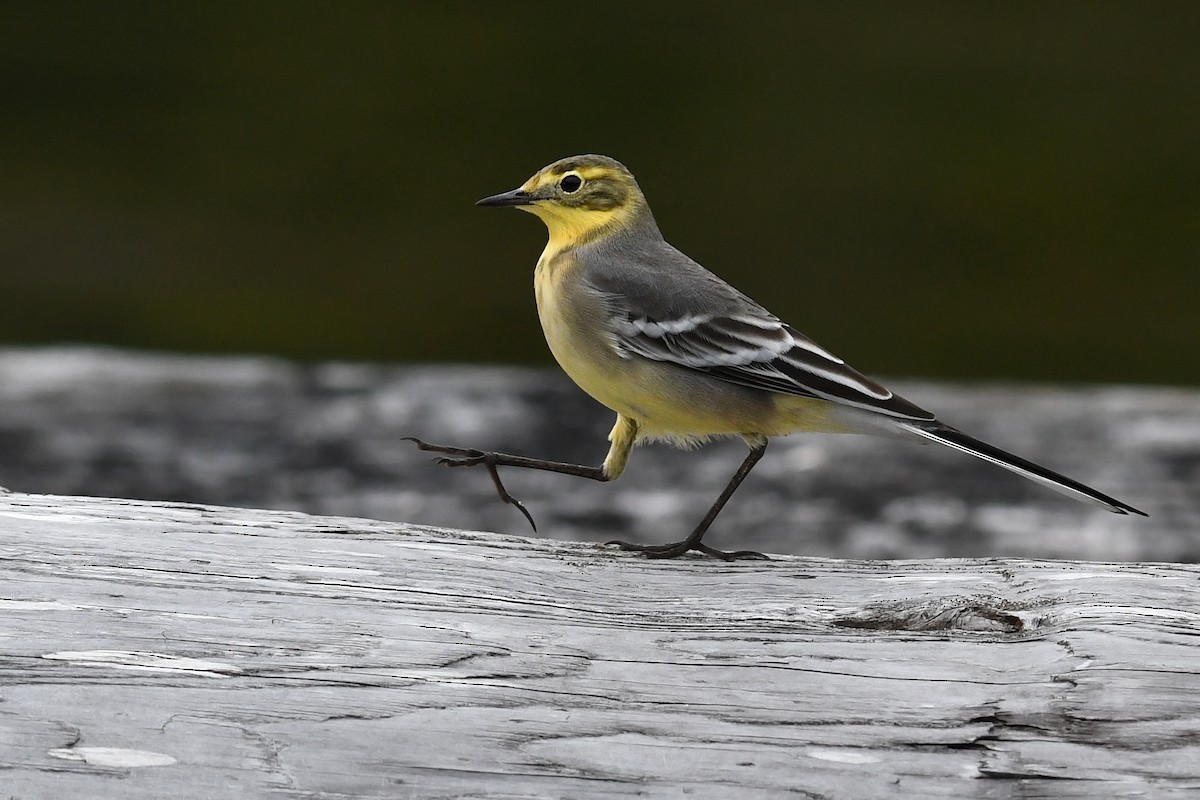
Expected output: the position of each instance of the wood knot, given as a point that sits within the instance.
(938, 614)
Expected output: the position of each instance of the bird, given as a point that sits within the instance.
(682, 356)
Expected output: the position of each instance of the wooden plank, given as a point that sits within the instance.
(154, 650)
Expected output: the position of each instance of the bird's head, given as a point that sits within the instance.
(579, 198)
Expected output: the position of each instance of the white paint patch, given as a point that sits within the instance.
(316, 568)
(1079, 576)
(355, 553)
(439, 547)
(112, 756)
(58, 518)
(1130, 611)
(55, 605)
(39, 605)
(841, 756)
(930, 577)
(144, 662)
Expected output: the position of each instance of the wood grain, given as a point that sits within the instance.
(152, 650)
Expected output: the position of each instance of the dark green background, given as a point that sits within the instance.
(963, 189)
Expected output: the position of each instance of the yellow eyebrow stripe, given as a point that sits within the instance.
(591, 173)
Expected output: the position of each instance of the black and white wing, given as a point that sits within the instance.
(761, 352)
(689, 317)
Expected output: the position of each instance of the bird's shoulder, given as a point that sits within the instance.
(659, 282)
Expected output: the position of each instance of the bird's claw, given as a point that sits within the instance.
(470, 457)
(467, 452)
(512, 501)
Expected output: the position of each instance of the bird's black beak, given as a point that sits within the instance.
(517, 197)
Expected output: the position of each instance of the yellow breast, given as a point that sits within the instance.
(566, 317)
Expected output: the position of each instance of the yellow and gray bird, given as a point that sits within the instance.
(682, 356)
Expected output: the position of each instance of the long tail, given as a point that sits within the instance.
(952, 437)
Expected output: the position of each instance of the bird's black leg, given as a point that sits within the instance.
(467, 457)
(692, 542)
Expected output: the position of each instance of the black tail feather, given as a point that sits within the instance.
(955, 438)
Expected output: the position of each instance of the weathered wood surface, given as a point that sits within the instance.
(326, 438)
(157, 650)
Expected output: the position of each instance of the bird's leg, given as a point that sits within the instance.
(468, 457)
(622, 436)
(692, 542)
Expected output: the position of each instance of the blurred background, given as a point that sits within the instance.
(966, 191)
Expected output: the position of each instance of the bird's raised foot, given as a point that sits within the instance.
(470, 457)
(676, 549)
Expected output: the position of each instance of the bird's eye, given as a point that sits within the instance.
(571, 183)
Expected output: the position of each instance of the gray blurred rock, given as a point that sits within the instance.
(326, 438)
